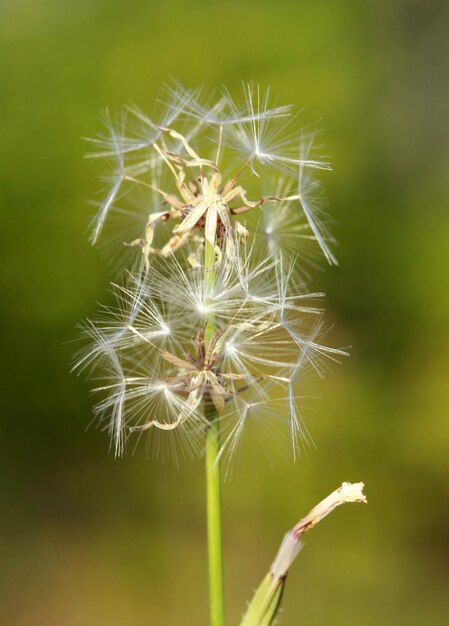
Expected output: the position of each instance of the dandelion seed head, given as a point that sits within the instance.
(158, 371)
(204, 162)
(240, 332)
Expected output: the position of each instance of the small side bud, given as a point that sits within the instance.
(264, 606)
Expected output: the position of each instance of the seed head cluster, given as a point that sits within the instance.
(218, 206)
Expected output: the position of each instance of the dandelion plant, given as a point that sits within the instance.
(220, 214)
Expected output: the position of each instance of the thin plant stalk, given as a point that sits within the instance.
(213, 487)
(214, 522)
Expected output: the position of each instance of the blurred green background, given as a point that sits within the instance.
(90, 541)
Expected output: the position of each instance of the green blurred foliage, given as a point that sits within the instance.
(87, 540)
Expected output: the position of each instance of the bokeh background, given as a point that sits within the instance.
(87, 540)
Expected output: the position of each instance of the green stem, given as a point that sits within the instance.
(213, 483)
(214, 524)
